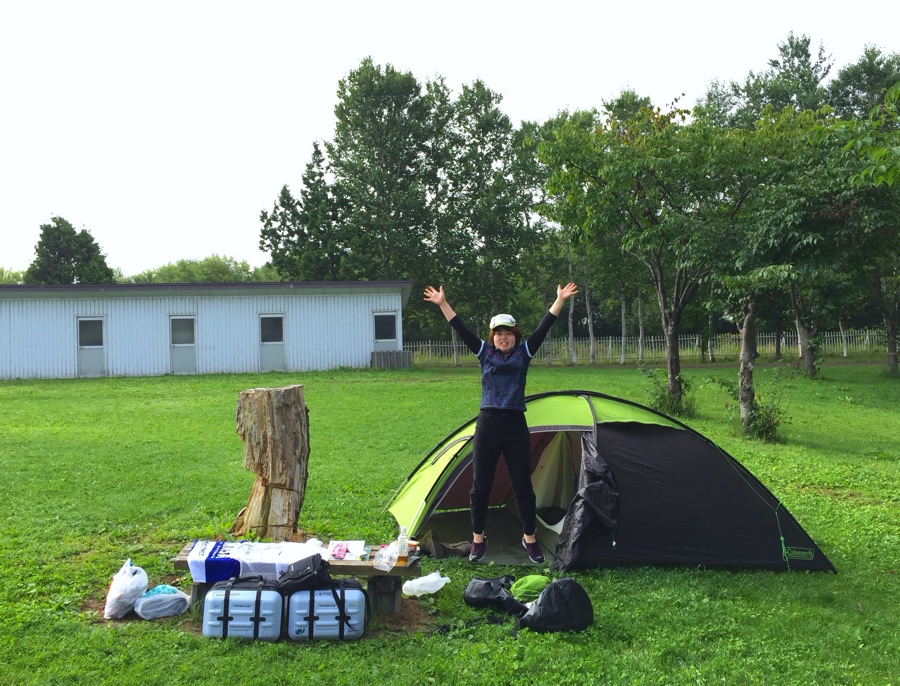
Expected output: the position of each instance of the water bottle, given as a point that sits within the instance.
(402, 546)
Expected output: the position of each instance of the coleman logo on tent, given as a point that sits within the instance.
(798, 554)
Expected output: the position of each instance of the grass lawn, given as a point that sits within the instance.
(95, 471)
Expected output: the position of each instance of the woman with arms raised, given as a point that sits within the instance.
(501, 426)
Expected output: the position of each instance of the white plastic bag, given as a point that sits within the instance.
(128, 584)
(386, 558)
(425, 584)
(161, 601)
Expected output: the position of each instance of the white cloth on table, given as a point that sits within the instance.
(211, 561)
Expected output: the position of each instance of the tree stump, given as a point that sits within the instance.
(273, 423)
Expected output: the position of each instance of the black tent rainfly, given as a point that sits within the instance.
(617, 484)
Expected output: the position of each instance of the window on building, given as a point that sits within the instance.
(271, 329)
(182, 330)
(386, 326)
(90, 333)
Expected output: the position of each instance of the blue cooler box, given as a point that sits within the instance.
(234, 608)
(326, 621)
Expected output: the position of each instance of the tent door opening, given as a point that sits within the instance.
(554, 475)
(555, 465)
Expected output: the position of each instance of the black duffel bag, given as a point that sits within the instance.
(563, 606)
(494, 594)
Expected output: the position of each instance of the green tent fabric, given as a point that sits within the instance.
(616, 484)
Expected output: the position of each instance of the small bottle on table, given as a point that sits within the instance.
(402, 546)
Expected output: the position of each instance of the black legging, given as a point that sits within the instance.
(503, 431)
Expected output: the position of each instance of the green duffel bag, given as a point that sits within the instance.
(528, 588)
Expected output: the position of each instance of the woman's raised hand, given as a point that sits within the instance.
(435, 296)
(567, 291)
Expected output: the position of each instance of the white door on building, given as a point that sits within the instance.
(91, 353)
(271, 343)
(182, 345)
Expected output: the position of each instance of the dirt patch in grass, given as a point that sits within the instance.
(93, 607)
(839, 494)
(413, 617)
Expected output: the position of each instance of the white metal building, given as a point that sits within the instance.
(153, 329)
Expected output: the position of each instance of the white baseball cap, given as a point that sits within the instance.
(502, 320)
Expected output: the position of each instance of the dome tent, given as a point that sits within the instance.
(616, 484)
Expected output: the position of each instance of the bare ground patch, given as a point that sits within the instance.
(842, 494)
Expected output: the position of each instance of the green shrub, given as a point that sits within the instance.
(657, 389)
(768, 412)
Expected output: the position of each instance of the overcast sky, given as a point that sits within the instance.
(165, 127)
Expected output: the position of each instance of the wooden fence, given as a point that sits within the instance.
(608, 349)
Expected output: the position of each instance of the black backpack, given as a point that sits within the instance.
(310, 572)
(563, 606)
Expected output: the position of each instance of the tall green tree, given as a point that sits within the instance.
(879, 149)
(607, 275)
(490, 202)
(750, 277)
(377, 158)
(860, 87)
(822, 231)
(11, 276)
(415, 184)
(873, 142)
(667, 190)
(305, 237)
(882, 274)
(212, 269)
(66, 256)
(804, 199)
(795, 79)
(618, 278)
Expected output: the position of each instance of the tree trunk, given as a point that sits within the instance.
(779, 333)
(683, 290)
(624, 311)
(273, 423)
(746, 391)
(455, 349)
(843, 335)
(571, 341)
(804, 343)
(571, 318)
(640, 304)
(890, 327)
(673, 363)
(711, 339)
(804, 333)
(592, 348)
